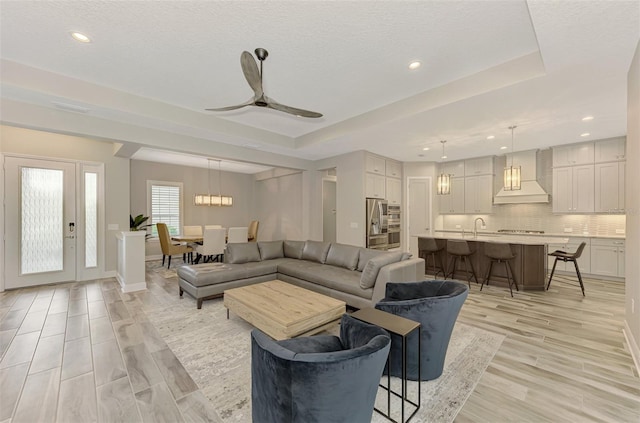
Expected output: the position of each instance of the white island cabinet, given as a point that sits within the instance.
(131, 255)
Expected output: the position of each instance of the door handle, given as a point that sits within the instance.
(70, 236)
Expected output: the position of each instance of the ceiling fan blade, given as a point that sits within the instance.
(239, 106)
(292, 110)
(251, 73)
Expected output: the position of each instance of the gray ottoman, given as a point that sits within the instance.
(210, 280)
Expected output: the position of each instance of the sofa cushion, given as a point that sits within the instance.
(332, 277)
(370, 272)
(365, 255)
(243, 252)
(210, 274)
(406, 256)
(271, 249)
(293, 249)
(343, 256)
(315, 251)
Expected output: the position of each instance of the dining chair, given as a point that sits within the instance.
(213, 243)
(169, 248)
(253, 231)
(192, 230)
(238, 234)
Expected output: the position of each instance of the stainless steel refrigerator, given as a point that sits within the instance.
(377, 224)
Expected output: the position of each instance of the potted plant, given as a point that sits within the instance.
(138, 223)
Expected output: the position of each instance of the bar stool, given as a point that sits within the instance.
(460, 249)
(500, 253)
(428, 247)
(564, 256)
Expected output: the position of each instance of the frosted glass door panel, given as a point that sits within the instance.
(42, 224)
(91, 219)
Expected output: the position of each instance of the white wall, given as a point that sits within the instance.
(47, 144)
(279, 207)
(632, 204)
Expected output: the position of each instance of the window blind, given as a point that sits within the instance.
(165, 207)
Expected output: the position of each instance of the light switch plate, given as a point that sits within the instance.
(568, 230)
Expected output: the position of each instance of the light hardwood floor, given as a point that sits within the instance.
(83, 352)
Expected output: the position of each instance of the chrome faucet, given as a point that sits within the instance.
(475, 226)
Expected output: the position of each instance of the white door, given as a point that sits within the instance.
(40, 222)
(328, 210)
(418, 211)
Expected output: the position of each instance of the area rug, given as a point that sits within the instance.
(217, 354)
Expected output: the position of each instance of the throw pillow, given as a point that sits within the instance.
(370, 272)
(244, 252)
(270, 250)
(315, 251)
(293, 249)
(365, 255)
(343, 256)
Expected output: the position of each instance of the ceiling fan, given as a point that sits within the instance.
(254, 78)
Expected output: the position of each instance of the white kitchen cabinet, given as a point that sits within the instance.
(584, 261)
(609, 187)
(607, 257)
(453, 203)
(609, 150)
(478, 194)
(573, 154)
(479, 166)
(375, 164)
(454, 169)
(573, 189)
(375, 185)
(393, 168)
(394, 191)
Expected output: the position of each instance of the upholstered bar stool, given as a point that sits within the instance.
(500, 253)
(428, 247)
(460, 250)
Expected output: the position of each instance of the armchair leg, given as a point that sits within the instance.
(169, 265)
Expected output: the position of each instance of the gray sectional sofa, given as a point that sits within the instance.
(355, 275)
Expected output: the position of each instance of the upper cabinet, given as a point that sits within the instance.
(610, 150)
(453, 203)
(573, 189)
(375, 186)
(453, 169)
(609, 187)
(394, 191)
(375, 164)
(478, 194)
(573, 154)
(393, 169)
(480, 166)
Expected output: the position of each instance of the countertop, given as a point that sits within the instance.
(469, 234)
(494, 237)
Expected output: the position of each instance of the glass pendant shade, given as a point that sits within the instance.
(444, 184)
(512, 178)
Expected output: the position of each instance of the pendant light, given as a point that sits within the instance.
(213, 200)
(444, 179)
(512, 173)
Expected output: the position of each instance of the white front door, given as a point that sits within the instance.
(418, 211)
(40, 222)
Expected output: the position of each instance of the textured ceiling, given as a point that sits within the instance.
(486, 65)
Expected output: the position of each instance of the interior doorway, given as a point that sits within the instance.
(329, 208)
(418, 211)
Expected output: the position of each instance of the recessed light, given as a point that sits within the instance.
(425, 149)
(504, 147)
(415, 65)
(443, 157)
(80, 37)
(490, 137)
(586, 134)
(587, 118)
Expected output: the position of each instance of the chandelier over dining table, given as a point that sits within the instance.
(213, 199)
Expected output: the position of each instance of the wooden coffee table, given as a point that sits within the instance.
(282, 310)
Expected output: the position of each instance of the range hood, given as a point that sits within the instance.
(531, 191)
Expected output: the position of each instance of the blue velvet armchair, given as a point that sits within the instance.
(318, 378)
(435, 305)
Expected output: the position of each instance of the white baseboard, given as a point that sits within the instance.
(131, 287)
(152, 258)
(632, 344)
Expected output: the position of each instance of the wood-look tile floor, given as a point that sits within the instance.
(82, 352)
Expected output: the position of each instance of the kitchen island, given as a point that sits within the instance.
(529, 264)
